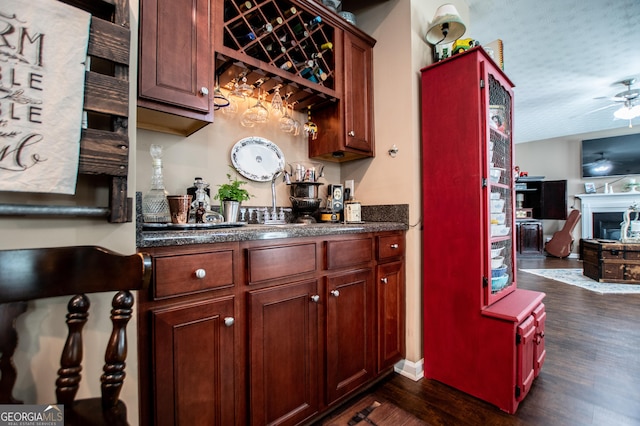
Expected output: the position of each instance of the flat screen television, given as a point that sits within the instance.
(613, 156)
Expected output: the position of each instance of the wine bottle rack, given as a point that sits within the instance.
(280, 42)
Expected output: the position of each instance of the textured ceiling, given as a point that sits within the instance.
(564, 56)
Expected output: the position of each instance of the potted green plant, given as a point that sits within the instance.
(231, 195)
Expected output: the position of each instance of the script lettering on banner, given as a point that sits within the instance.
(43, 52)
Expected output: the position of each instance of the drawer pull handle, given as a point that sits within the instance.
(335, 293)
(394, 246)
(204, 91)
(384, 280)
(352, 133)
(201, 273)
(229, 321)
(315, 298)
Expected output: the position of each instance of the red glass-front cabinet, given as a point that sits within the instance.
(482, 334)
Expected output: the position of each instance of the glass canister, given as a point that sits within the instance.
(155, 207)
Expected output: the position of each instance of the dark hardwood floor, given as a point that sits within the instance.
(591, 375)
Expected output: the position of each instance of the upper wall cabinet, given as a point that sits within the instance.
(346, 131)
(317, 60)
(175, 67)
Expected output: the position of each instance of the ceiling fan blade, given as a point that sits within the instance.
(600, 109)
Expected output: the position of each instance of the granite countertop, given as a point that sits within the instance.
(376, 219)
(259, 232)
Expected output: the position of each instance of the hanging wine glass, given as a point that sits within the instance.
(235, 96)
(296, 124)
(287, 124)
(219, 100)
(310, 128)
(256, 114)
(277, 106)
(244, 88)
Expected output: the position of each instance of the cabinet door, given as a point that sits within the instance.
(358, 94)
(175, 53)
(193, 355)
(390, 294)
(540, 353)
(529, 237)
(283, 345)
(553, 203)
(350, 332)
(525, 357)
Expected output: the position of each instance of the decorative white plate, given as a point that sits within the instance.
(257, 158)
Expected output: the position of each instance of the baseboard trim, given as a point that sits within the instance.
(412, 370)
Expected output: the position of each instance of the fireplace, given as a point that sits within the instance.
(604, 212)
(606, 226)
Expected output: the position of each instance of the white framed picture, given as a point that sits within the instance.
(590, 188)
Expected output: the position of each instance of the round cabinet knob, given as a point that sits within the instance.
(315, 298)
(384, 280)
(229, 321)
(351, 133)
(201, 273)
(394, 246)
(204, 91)
(335, 293)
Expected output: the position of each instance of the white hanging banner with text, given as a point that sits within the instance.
(43, 51)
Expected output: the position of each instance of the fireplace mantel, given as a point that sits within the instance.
(603, 203)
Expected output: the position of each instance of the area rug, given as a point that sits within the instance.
(372, 411)
(576, 278)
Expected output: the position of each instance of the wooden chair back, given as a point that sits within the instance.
(31, 274)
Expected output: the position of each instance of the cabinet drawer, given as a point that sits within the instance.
(192, 273)
(348, 252)
(612, 254)
(282, 261)
(390, 246)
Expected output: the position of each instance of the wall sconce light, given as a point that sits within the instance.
(446, 27)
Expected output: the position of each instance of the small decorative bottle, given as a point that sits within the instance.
(155, 207)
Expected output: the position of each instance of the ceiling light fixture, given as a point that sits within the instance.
(627, 112)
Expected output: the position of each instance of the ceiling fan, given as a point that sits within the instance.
(630, 100)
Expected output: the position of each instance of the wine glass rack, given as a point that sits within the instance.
(293, 44)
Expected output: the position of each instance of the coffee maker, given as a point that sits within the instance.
(335, 204)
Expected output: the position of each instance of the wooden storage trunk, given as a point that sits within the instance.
(608, 261)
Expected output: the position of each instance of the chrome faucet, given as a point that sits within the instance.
(274, 218)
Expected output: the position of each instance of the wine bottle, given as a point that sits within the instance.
(323, 49)
(246, 38)
(300, 31)
(276, 21)
(230, 11)
(308, 74)
(313, 23)
(274, 49)
(265, 29)
(244, 6)
(290, 12)
(286, 66)
(304, 64)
